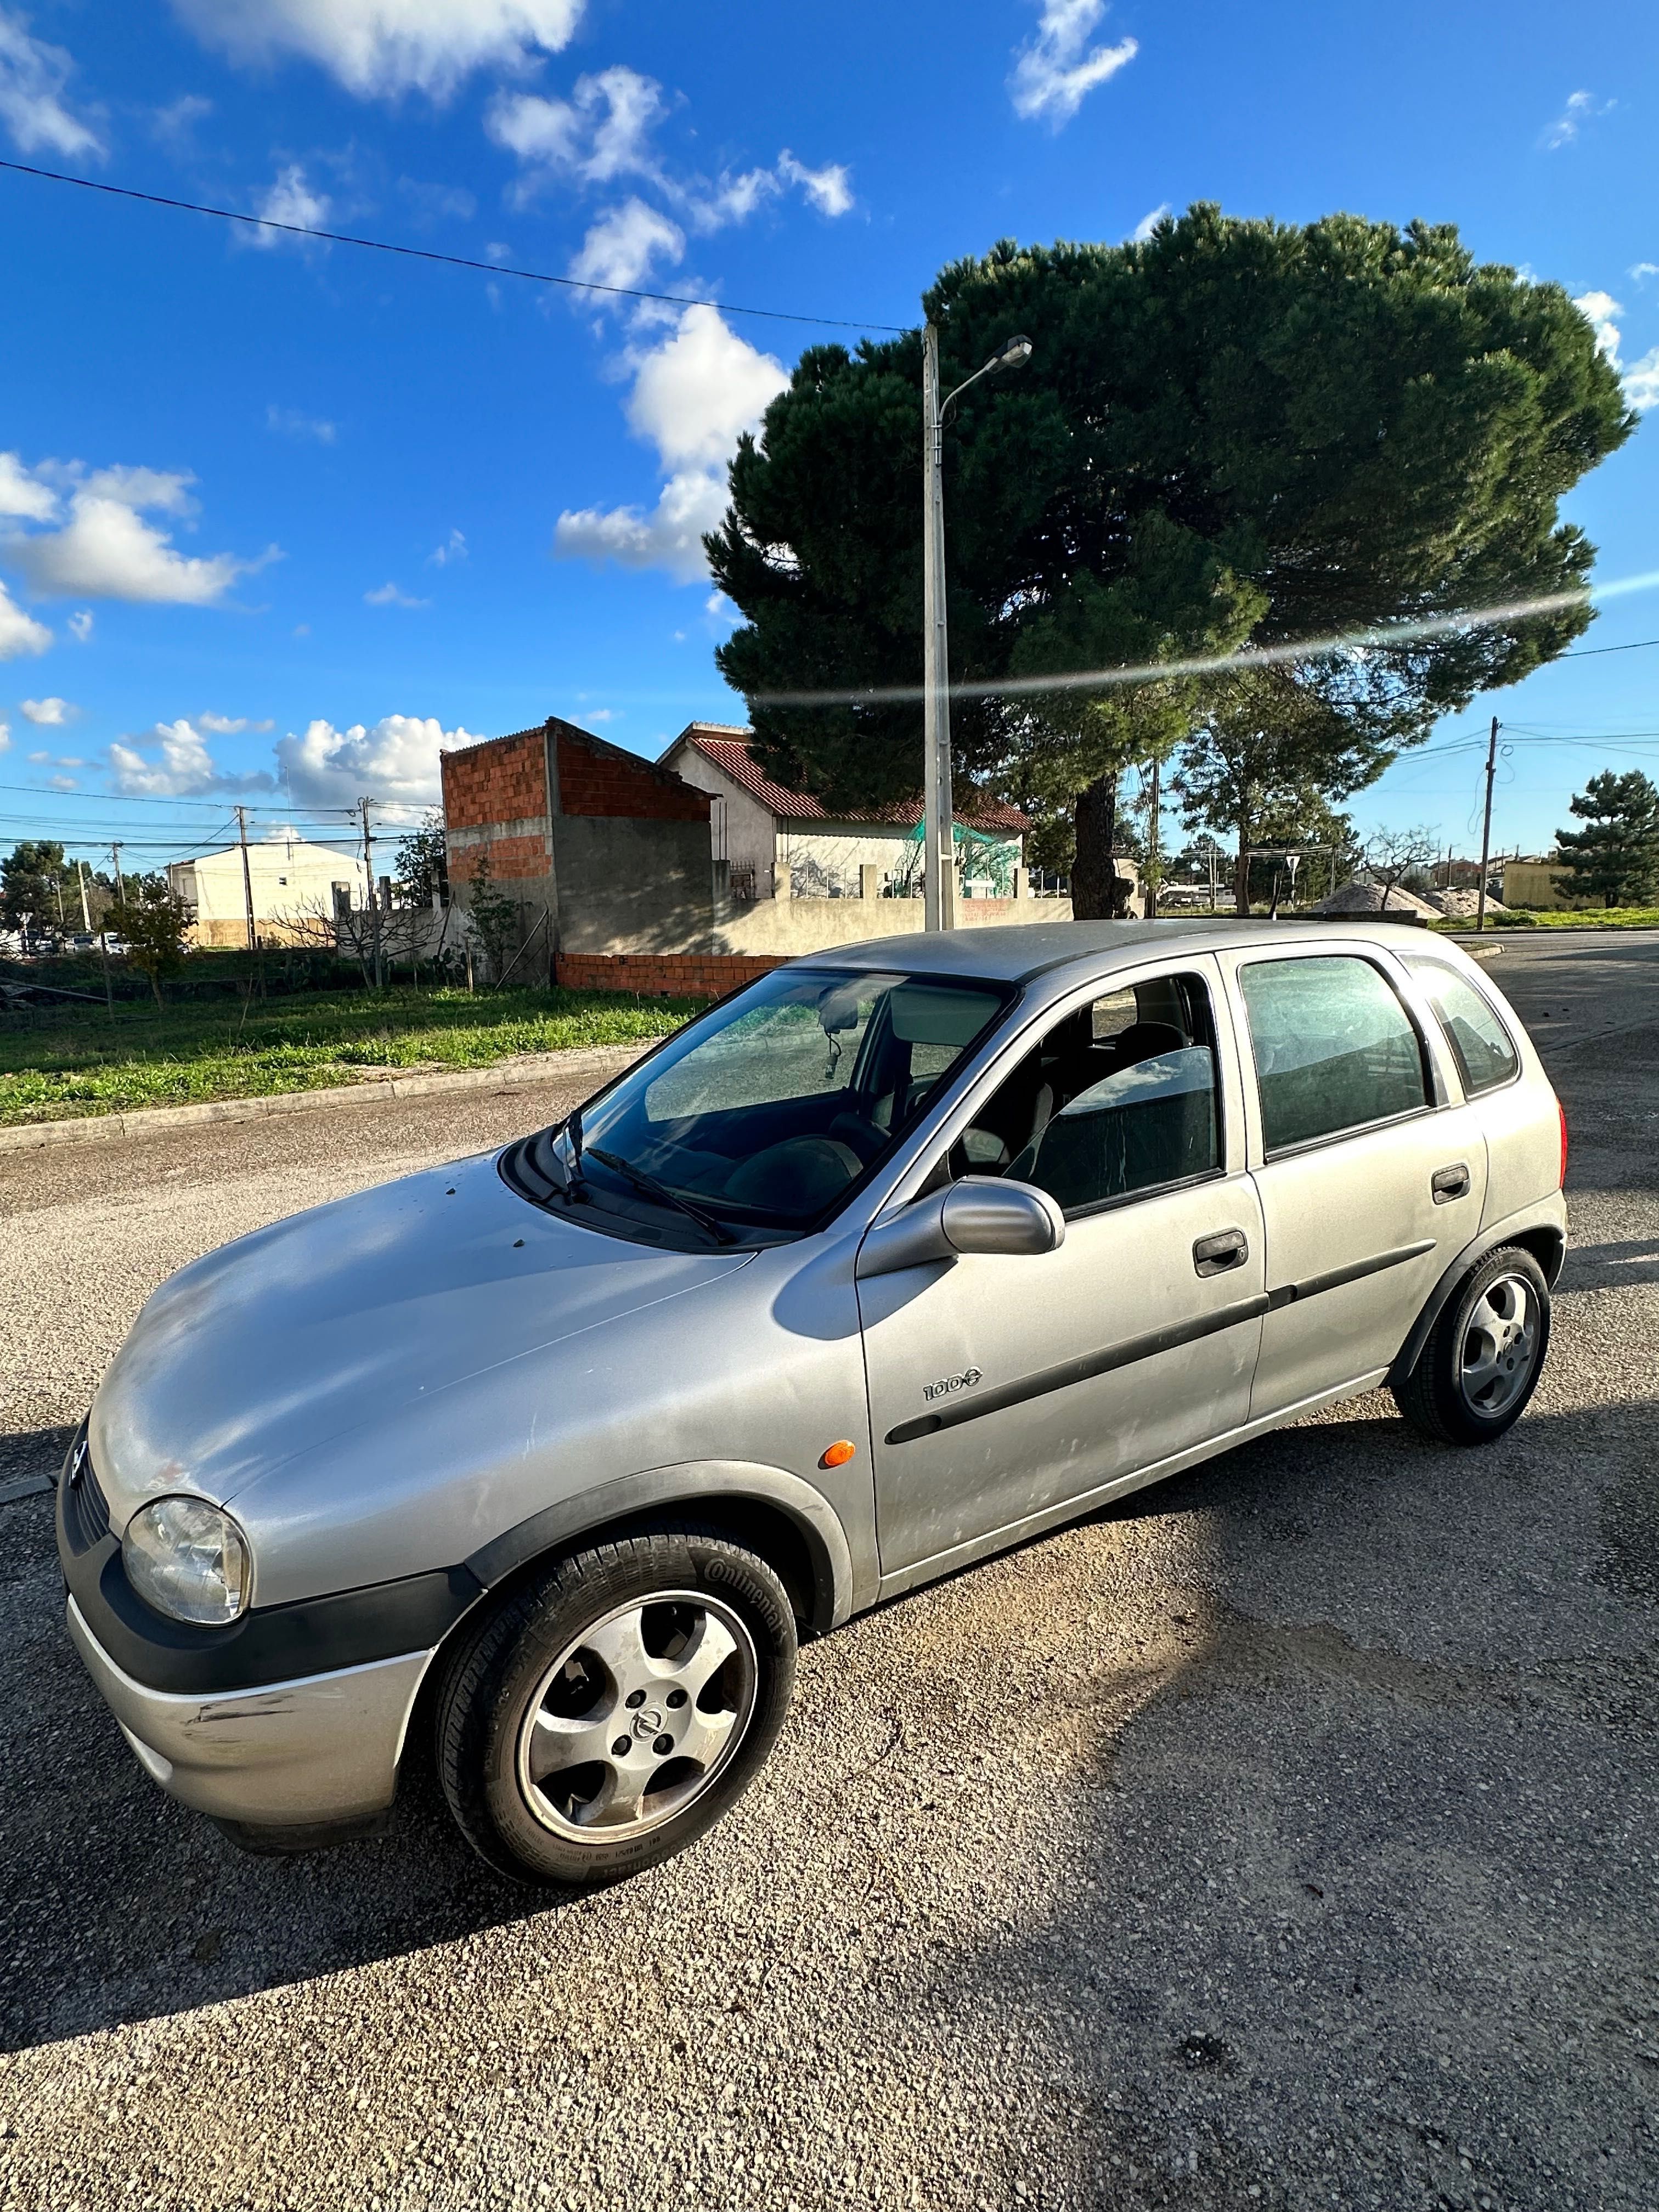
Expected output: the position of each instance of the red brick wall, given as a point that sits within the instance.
(505, 780)
(660, 975)
(596, 778)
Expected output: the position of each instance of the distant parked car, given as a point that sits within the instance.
(896, 1258)
(117, 947)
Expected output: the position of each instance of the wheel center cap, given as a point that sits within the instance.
(647, 1722)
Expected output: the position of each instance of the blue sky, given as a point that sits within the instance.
(280, 519)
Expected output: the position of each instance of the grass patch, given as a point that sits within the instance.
(1610, 917)
(60, 1063)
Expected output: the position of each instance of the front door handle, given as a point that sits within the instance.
(1448, 1183)
(1220, 1254)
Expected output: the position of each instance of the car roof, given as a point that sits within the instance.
(1022, 951)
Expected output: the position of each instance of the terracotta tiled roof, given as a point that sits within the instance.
(732, 751)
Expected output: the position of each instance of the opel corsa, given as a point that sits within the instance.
(892, 1260)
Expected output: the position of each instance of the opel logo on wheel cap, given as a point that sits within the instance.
(647, 1722)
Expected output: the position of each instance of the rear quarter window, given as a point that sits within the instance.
(1481, 1046)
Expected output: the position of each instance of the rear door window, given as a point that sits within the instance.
(1481, 1046)
(1335, 1049)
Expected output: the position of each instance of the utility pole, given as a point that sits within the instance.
(939, 829)
(240, 813)
(1152, 844)
(1485, 828)
(369, 882)
(86, 924)
(115, 862)
(938, 824)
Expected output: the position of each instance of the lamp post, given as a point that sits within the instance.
(938, 825)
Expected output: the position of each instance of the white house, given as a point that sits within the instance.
(782, 844)
(292, 880)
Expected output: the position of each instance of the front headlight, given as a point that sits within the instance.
(188, 1559)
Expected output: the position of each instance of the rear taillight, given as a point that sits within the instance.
(1562, 1111)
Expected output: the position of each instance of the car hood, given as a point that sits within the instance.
(322, 1323)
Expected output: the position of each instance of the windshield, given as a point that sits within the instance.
(759, 1120)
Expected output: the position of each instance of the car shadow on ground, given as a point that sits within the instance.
(1398, 1776)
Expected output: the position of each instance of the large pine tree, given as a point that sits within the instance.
(1232, 433)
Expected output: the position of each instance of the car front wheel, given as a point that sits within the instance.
(1484, 1355)
(603, 1715)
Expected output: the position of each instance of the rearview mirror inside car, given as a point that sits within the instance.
(980, 1213)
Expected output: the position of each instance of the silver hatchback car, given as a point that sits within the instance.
(896, 1258)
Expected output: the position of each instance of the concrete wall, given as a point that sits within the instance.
(784, 929)
(1534, 884)
(627, 885)
(293, 883)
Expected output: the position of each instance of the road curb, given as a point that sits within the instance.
(579, 1064)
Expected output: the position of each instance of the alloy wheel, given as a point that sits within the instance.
(1500, 1345)
(637, 1717)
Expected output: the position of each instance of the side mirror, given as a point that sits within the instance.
(980, 1213)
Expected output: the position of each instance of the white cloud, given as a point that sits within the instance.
(289, 422)
(1643, 270)
(19, 632)
(388, 595)
(1057, 71)
(48, 713)
(670, 536)
(1642, 382)
(33, 75)
(395, 759)
(173, 761)
(693, 395)
(388, 46)
(1581, 108)
(829, 189)
(453, 548)
(290, 199)
(37, 760)
(231, 726)
(5, 737)
(695, 392)
(175, 123)
(1603, 312)
(1641, 379)
(1149, 222)
(600, 133)
(80, 625)
(108, 550)
(23, 494)
(62, 783)
(624, 244)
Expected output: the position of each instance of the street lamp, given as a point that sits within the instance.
(938, 825)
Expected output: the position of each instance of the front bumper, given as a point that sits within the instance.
(319, 1752)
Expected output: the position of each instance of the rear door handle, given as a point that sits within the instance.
(1448, 1183)
(1220, 1254)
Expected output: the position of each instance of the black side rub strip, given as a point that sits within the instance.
(1137, 1348)
(1079, 1370)
(1289, 1293)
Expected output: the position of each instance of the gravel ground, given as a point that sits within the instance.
(1287, 1837)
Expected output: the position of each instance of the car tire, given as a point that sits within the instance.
(668, 1655)
(1484, 1355)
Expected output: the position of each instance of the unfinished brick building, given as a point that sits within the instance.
(607, 855)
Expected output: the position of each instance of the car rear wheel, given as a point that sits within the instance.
(605, 1714)
(1484, 1355)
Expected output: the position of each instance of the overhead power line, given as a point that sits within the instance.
(426, 253)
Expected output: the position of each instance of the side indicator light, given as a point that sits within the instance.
(839, 1453)
(1562, 1111)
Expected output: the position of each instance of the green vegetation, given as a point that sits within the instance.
(1615, 857)
(56, 1064)
(1582, 917)
(1229, 432)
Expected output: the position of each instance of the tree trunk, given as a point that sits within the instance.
(1242, 872)
(1095, 881)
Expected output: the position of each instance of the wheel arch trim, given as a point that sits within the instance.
(1538, 1228)
(685, 1486)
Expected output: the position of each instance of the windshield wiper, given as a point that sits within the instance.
(648, 1184)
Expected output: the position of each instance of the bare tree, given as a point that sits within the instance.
(1393, 853)
(360, 934)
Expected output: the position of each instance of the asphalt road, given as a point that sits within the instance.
(1287, 1838)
